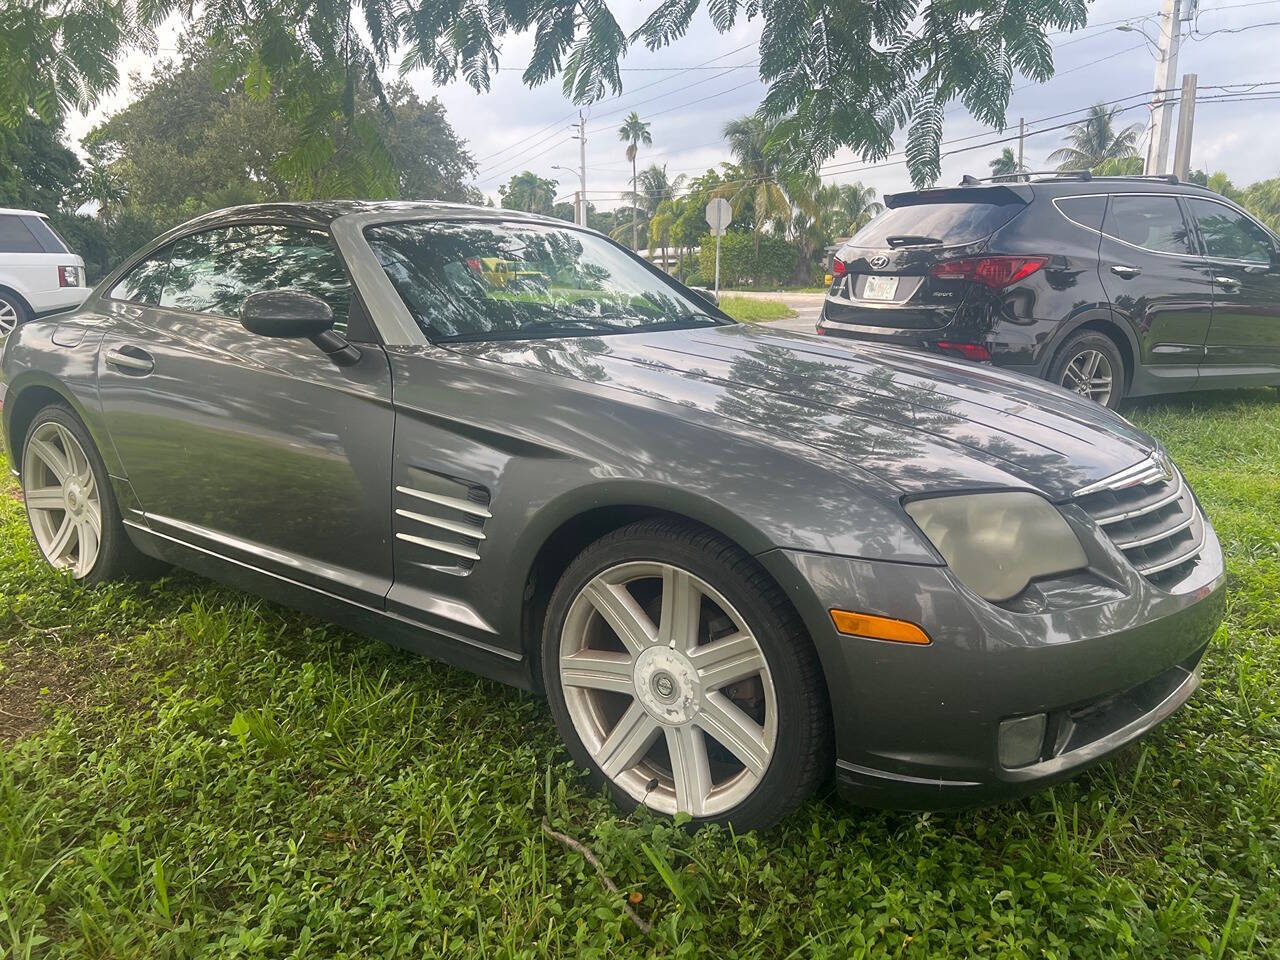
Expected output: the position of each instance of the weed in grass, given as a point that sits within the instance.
(229, 779)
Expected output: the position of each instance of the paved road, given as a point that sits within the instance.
(806, 306)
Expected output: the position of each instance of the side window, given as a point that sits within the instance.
(1152, 222)
(213, 272)
(202, 272)
(306, 260)
(16, 237)
(1086, 211)
(144, 282)
(49, 241)
(1228, 233)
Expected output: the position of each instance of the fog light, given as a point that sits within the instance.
(1021, 740)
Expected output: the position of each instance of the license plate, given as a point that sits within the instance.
(880, 288)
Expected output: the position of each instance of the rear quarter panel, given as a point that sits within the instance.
(33, 358)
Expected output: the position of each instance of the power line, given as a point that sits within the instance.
(861, 166)
(495, 177)
(652, 83)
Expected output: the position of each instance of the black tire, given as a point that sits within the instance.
(118, 558)
(804, 754)
(1081, 343)
(13, 313)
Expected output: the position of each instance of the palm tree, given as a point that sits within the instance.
(634, 132)
(855, 205)
(759, 170)
(1094, 140)
(1004, 168)
(652, 187)
(98, 184)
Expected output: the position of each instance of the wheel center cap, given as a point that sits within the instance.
(74, 497)
(667, 685)
(664, 686)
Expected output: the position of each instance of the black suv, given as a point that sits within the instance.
(1109, 286)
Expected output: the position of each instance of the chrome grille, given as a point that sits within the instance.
(1149, 513)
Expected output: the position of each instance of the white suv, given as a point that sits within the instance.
(38, 274)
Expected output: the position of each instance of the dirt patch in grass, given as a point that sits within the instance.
(35, 680)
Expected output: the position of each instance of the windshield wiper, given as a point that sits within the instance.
(911, 240)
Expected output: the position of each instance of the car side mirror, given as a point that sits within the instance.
(292, 313)
(707, 295)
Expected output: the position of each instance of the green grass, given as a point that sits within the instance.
(751, 310)
(190, 771)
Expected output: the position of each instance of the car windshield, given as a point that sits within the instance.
(516, 281)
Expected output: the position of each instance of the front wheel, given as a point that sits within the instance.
(1089, 364)
(681, 678)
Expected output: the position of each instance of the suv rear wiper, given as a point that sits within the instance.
(910, 240)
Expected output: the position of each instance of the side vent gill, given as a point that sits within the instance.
(440, 521)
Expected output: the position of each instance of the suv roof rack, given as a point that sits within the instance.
(970, 181)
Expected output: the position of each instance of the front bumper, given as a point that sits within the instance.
(918, 726)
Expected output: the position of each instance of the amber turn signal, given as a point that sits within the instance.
(877, 628)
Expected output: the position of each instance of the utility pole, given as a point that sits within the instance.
(1186, 118)
(1022, 136)
(1162, 101)
(580, 215)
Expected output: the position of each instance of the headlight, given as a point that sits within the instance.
(996, 543)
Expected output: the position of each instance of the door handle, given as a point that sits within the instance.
(1231, 282)
(1125, 271)
(131, 360)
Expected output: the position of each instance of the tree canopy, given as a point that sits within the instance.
(839, 74)
(191, 142)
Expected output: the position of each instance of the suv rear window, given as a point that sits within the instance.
(951, 222)
(44, 234)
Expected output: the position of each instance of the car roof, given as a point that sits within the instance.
(24, 213)
(322, 213)
(1068, 184)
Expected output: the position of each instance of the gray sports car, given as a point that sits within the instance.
(732, 559)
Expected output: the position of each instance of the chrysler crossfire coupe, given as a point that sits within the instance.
(735, 561)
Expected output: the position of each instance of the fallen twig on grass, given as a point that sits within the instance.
(592, 859)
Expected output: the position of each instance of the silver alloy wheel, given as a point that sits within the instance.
(62, 499)
(1089, 374)
(8, 318)
(668, 689)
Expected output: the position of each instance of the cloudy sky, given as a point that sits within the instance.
(513, 128)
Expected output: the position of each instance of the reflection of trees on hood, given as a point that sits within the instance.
(882, 417)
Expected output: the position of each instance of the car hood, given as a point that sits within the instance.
(918, 422)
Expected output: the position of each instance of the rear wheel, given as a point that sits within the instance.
(1090, 364)
(12, 312)
(72, 511)
(680, 677)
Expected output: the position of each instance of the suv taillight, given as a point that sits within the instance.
(838, 267)
(68, 276)
(994, 272)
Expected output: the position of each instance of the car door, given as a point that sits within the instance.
(1157, 280)
(263, 450)
(1245, 332)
